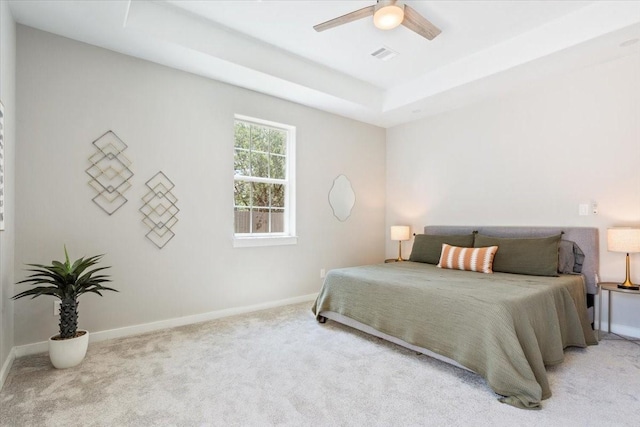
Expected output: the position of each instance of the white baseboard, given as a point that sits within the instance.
(6, 367)
(625, 330)
(43, 346)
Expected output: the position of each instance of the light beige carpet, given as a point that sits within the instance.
(280, 367)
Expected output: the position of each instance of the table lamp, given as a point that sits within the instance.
(624, 239)
(400, 233)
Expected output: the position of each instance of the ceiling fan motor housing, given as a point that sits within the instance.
(388, 14)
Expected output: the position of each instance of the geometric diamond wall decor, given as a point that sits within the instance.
(159, 210)
(110, 172)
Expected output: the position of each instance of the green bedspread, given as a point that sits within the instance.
(505, 327)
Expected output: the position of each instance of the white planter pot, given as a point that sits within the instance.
(70, 352)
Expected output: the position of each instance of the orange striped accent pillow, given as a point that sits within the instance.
(469, 259)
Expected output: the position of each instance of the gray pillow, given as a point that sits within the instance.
(428, 247)
(566, 258)
(570, 257)
(533, 256)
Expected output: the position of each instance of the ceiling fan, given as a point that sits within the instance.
(387, 14)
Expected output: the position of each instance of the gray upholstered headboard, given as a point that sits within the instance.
(585, 237)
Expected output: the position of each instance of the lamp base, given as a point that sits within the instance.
(628, 284)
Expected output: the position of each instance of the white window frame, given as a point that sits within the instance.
(288, 237)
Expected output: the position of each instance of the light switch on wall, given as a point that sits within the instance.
(583, 209)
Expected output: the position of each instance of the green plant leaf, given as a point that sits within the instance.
(36, 292)
(66, 256)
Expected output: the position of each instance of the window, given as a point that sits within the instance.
(264, 183)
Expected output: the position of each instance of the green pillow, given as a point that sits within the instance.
(533, 256)
(428, 247)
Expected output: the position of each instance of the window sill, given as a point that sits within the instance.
(248, 242)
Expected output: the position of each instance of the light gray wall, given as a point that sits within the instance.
(69, 93)
(530, 158)
(8, 98)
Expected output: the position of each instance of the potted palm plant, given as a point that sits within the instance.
(67, 282)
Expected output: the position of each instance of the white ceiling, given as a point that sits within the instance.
(485, 48)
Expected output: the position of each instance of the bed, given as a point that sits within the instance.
(503, 326)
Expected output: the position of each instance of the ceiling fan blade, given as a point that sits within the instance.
(421, 25)
(344, 19)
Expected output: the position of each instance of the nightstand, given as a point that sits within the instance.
(609, 287)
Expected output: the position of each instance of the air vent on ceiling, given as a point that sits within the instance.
(384, 53)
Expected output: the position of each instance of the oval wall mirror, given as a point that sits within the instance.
(342, 198)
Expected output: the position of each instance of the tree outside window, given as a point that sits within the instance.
(262, 184)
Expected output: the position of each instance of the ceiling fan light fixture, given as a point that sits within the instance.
(388, 17)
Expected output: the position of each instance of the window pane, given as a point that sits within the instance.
(277, 166)
(260, 220)
(242, 195)
(261, 194)
(242, 131)
(278, 141)
(242, 164)
(261, 154)
(277, 195)
(259, 139)
(242, 220)
(277, 221)
(260, 165)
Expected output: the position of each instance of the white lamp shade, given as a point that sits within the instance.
(623, 239)
(388, 17)
(400, 232)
